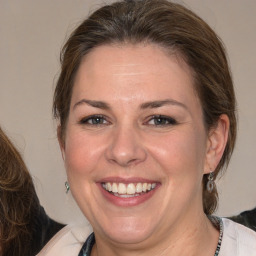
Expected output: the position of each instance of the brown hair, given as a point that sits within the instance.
(18, 201)
(176, 29)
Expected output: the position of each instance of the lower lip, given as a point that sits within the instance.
(128, 201)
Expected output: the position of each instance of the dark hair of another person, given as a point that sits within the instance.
(177, 30)
(24, 226)
(246, 218)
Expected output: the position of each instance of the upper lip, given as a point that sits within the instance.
(127, 180)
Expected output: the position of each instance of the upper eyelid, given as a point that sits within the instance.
(107, 119)
(86, 118)
(161, 116)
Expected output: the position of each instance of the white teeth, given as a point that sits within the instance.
(128, 190)
(139, 188)
(114, 188)
(121, 188)
(109, 187)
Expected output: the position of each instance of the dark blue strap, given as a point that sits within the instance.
(87, 246)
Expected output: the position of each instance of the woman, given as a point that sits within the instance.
(24, 226)
(146, 111)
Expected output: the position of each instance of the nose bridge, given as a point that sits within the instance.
(126, 147)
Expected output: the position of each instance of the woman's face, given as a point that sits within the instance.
(135, 144)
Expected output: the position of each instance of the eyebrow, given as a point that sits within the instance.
(160, 103)
(150, 104)
(93, 103)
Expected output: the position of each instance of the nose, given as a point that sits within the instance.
(126, 148)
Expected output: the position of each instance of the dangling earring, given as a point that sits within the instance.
(67, 187)
(210, 183)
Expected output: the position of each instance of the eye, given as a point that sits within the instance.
(160, 120)
(94, 120)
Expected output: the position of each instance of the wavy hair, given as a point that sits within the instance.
(18, 201)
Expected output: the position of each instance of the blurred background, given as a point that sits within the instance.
(31, 36)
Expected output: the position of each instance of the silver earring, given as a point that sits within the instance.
(67, 187)
(210, 183)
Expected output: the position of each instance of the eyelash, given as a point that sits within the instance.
(100, 120)
(159, 120)
(166, 119)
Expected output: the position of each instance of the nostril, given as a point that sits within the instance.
(126, 158)
(126, 147)
(124, 161)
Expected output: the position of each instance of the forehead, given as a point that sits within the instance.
(128, 71)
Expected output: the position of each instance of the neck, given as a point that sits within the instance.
(196, 237)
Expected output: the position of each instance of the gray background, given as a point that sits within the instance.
(31, 35)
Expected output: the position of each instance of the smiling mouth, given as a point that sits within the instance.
(128, 190)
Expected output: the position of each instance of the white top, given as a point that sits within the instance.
(237, 240)
(68, 241)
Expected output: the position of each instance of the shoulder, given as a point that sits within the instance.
(68, 241)
(237, 240)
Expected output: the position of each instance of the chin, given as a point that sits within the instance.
(128, 231)
(125, 236)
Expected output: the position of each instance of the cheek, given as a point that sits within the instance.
(181, 153)
(81, 153)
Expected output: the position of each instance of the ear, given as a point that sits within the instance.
(61, 141)
(216, 143)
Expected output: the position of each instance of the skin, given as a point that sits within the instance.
(119, 83)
